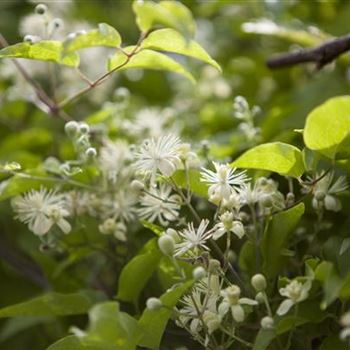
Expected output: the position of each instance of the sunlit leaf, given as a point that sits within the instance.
(147, 59)
(172, 41)
(278, 157)
(327, 128)
(105, 35)
(45, 50)
(171, 14)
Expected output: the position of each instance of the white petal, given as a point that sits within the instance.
(223, 308)
(41, 225)
(64, 225)
(284, 307)
(247, 301)
(237, 313)
(166, 167)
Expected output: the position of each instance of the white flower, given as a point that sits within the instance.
(227, 224)
(148, 122)
(121, 205)
(233, 302)
(113, 156)
(295, 292)
(193, 238)
(223, 182)
(345, 322)
(41, 210)
(160, 154)
(110, 226)
(325, 191)
(159, 204)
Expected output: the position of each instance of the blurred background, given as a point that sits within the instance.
(240, 36)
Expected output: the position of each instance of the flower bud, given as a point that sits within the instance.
(57, 23)
(267, 202)
(290, 197)
(41, 9)
(267, 322)
(258, 282)
(260, 298)
(84, 128)
(137, 185)
(231, 256)
(198, 273)
(91, 153)
(31, 39)
(214, 265)
(320, 195)
(166, 244)
(71, 128)
(173, 233)
(153, 303)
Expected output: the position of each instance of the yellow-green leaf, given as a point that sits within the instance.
(278, 157)
(105, 35)
(46, 50)
(171, 14)
(147, 59)
(327, 128)
(172, 41)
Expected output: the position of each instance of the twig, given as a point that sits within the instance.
(105, 76)
(321, 55)
(40, 93)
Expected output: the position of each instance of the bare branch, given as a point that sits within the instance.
(321, 55)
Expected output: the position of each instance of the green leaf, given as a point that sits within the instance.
(195, 185)
(264, 338)
(171, 14)
(158, 230)
(172, 41)
(276, 238)
(295, 36)
(109, 329)
(105, 35)
(153, 322)
(333, 342)
(327, 128)
(278, 157)
(136, 273)
(108, 324)
(45, 50)
(147, 59)
(21, 183)
(53, 304)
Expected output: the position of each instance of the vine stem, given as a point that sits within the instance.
(105, 76)
(52, 107)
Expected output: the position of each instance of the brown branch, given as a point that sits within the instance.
(105, 76)
(52, 107)
(320, 55)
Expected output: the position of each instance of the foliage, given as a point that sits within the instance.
(147, 209)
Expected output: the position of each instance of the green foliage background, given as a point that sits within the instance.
(286, 97)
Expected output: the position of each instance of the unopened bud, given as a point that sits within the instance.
(320, 195)
(267, 322)
(260, 298)
(173, 233)
(84, 128)
(137, 185)
(91, 153)
(153, 303)
(71, 128)
(258, 282)
(166, 244)
(199, 273)
(41, 9)
(214, 265)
